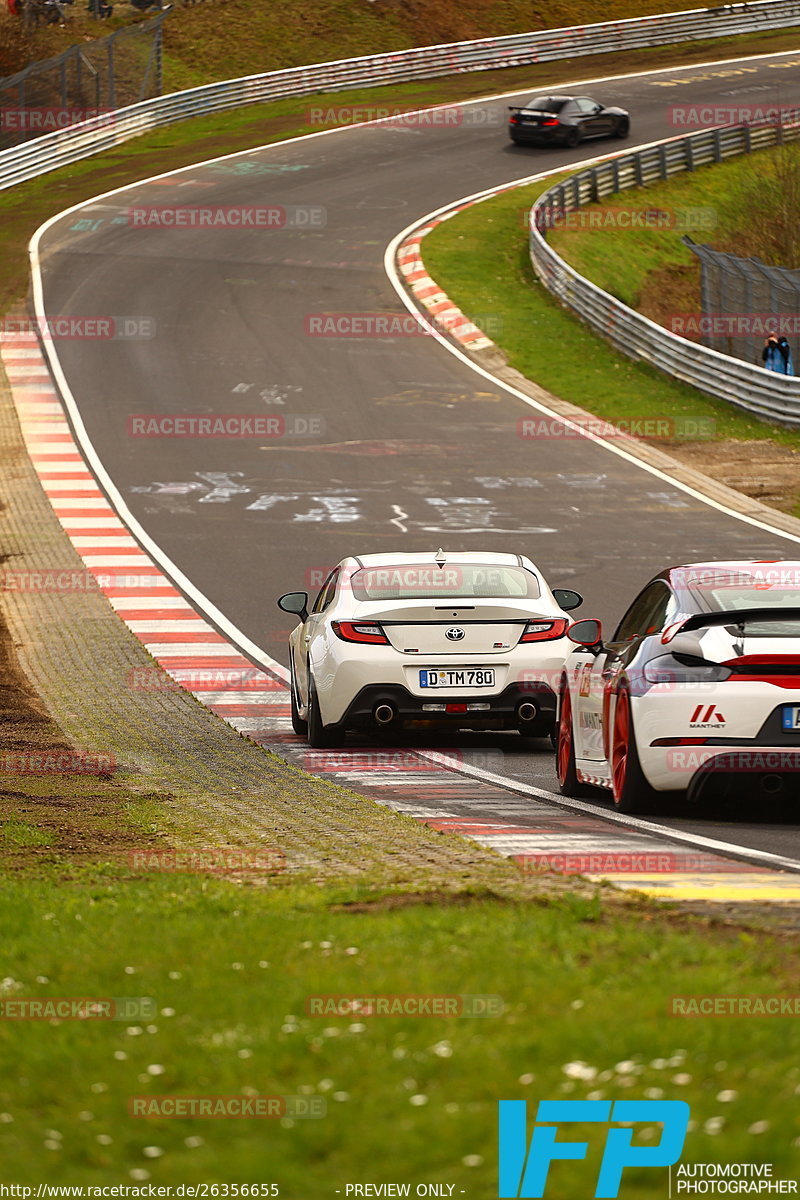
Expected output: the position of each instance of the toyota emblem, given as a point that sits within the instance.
(454, 634)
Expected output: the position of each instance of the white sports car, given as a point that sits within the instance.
(462, 640)
(698, 690)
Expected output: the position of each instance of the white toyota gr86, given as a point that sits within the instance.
(471, 641)
(697, 691)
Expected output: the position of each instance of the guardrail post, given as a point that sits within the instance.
(740, 383)
(376, 70)
(662, 158)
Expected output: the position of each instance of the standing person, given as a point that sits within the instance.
(776, 354)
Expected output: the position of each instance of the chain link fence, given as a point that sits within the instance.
(85, 81)
(744, 384)
(742, 299)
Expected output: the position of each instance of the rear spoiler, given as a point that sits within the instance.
(737, 616)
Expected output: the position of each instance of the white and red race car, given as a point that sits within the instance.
(468, 640)
(697, 690)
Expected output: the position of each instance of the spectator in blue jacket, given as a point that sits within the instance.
(776, 354)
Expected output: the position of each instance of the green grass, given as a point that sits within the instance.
(480, 258)
(578, 984)
(222, 39)
(25, 207)
(583, 977)
(718, 190)
(23, 833)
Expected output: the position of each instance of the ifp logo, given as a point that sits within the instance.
(524, 1169)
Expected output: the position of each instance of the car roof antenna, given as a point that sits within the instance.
(441, 558)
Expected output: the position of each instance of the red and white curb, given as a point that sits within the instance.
(255, 702)
(192, 653)
(446, 315)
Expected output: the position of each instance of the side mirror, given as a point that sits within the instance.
(296, 603)
(588, 633)
(566, 599)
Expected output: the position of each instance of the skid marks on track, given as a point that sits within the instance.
(195, 656)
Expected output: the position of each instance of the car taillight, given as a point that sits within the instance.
(514, 119)
(545, 631)
(550, 121)
(352, 631)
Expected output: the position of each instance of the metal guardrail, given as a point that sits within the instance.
(55, 150)
(776, 397)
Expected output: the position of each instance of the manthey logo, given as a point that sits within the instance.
(454, 633)
(525, 1168)
(706, 716)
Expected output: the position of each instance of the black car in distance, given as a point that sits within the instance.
(565, 121)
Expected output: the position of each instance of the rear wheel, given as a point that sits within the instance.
(320, 737)
(572, 137)
(623, 128)
(632, 792)
(568, 782)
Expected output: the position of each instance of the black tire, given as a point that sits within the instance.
(320, 737)
(632, 793)
(299, 725)
(572, 137)
(566, 770)
(623, 128)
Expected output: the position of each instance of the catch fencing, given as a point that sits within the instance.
(55, 150)
(730, 286)
(743, 384)
(87, 80)
(40, 155)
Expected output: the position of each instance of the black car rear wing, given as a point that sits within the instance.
(738, 616)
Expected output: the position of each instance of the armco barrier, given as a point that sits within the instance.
(55, 150)
(774, 397)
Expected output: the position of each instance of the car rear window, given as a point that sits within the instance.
(423, 581)
(546, 104)
(768, 587)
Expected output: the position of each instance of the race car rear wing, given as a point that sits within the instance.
(737, 616)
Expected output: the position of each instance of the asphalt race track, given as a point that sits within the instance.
(412, 448)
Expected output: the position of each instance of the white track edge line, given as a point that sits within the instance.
(396, 280)
(85, 444)
(730, 849)
(211, 610)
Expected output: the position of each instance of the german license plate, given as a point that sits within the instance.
(791, 718)
(456, 677)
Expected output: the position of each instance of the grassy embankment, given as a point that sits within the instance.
(480, 258)
(230, 966)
